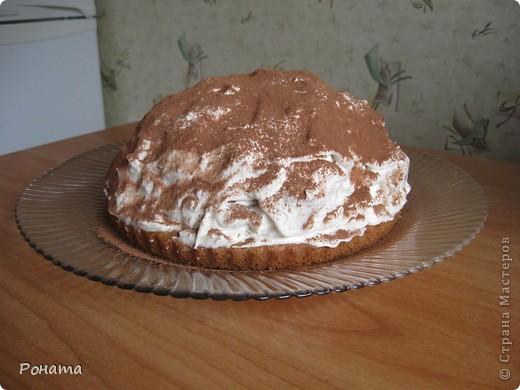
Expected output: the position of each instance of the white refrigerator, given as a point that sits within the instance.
(50, 78)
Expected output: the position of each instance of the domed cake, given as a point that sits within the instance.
(257, 171)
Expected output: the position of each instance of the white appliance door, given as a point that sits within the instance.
(50, 88)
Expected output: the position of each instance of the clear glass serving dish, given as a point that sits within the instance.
(62, 215)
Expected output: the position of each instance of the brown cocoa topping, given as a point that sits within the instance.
(269, 114)
(284, 114)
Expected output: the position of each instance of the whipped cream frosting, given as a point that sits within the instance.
(265, 158)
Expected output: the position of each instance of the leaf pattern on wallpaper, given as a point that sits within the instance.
(193, 55)
(508, 106)
(248, 18)
(467, 134)
(277, 66)
(388, 75)
(331, 3)
(425, 5)
(109, 74)
(487, 30)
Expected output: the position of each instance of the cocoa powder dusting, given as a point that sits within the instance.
(270, 113)
(283, 114)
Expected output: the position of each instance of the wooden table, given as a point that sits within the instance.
(439, 328)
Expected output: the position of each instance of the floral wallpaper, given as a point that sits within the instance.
(445, 74)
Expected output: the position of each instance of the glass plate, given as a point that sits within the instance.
(62, 215)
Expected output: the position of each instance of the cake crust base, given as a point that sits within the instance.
(260, 258)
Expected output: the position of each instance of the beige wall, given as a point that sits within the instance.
(445, 74)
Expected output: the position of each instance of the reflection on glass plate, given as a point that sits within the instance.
(62, 215)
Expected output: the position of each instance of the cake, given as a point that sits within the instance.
(257, 171)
